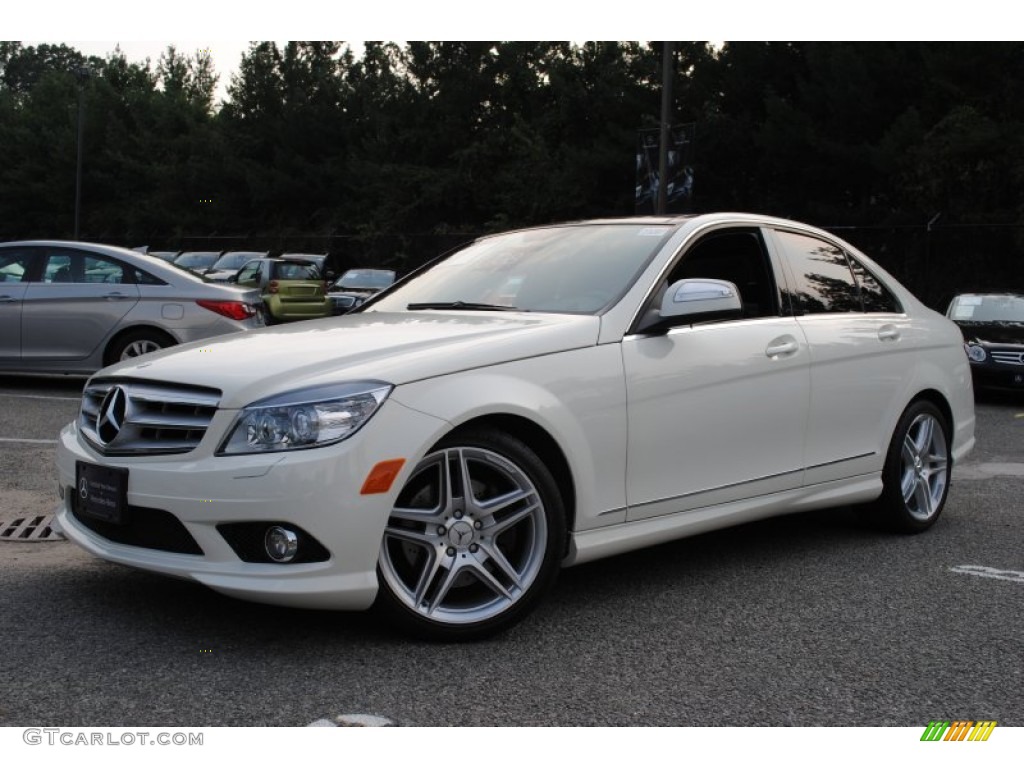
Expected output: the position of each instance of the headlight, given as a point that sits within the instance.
(306, 418)
(976, 353)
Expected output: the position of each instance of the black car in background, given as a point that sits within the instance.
(993, 329)
(356, 286)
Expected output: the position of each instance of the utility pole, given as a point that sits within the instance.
(666, 121)
(82, 74)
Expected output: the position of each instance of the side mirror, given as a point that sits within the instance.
(696, 300)
(232, 278)
(701, 298)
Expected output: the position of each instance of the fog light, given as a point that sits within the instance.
(281, 544)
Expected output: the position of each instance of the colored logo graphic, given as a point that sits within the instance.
(958, 730)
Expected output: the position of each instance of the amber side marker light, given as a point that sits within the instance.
(382, 476)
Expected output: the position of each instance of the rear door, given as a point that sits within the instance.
(75, 304)
(858, 337)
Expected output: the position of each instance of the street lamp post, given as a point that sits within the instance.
(666, 122)
(82, 74)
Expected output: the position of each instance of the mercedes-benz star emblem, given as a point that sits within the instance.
(83, 489)
(110, 419)
(460, 534)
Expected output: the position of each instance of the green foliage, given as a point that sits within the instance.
(450, 137)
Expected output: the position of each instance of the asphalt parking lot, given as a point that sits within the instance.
(813, 619)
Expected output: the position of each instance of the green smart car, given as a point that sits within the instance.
(292, 289)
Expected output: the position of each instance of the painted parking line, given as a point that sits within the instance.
(26, 440)
(41, 397)
(353, 721)
(989, 573)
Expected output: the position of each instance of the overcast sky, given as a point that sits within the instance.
(226, 54)
(133, 25)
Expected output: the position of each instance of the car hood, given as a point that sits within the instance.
(392, 347)
(992, 333)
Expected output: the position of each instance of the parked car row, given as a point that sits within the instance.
(288, 293)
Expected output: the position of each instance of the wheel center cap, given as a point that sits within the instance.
(460, 534)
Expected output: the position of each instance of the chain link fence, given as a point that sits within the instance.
(938, 263)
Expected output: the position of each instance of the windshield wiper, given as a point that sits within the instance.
(468, 305)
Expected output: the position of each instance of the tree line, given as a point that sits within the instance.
(445, 138)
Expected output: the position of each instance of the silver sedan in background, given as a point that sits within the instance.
(68, 307)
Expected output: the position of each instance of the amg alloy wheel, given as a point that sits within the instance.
(917, 470)
(473, 540)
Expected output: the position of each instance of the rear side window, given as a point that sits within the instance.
(824, 280)
(876, 297)
(142, 277)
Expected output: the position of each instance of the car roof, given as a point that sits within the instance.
(160, 268)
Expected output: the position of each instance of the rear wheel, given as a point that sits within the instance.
(917, 470)
(135, 343)
(474, 540)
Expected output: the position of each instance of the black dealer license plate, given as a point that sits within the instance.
(102, 492)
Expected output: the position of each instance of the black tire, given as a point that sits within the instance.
(135, 343)
(456, 566)
(916, 475)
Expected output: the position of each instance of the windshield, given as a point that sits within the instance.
(236, 260)
(366, 279)
(193, 260)
(988, 309)
(574, 269)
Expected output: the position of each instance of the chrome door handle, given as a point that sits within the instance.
(781, 347)
(888, 333)
(114, 296)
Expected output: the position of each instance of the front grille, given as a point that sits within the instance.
(1008, 358)
(122, 417)
(144, 527)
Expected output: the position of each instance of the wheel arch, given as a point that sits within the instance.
(540, 442)
(937, 399)
(114, 340)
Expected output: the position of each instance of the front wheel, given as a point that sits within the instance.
(474, 539)
(917, 470)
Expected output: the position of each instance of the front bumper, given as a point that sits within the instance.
(317, 490)
(991, 375)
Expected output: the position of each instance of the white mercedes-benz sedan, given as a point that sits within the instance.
(537, 399)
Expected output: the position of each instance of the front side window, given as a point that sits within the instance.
(16, 265)
(824, 280)
(249, 272)
(738, 256)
